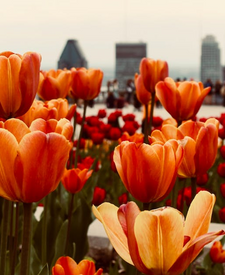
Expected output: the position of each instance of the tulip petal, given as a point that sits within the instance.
(17, 127)
(187, 166)
(159, 236)
(10, 99)
(169, 96)
(203, 94)
(189, 92)
(206, 148)
(127, 215)
(85, 267)
(199, 215)
(29, 79)
(191, 251)
(58, 270)
(106, 213)
(8, 149)
(50, 152)
(191, 128)
(68, 264)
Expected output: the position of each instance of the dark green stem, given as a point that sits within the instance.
(174, 193)
(69, 223)
(179, 122)
(44, 233)
(74, 123)
(11, 236)
(15, 239)
(151, 113)
(146, 125)
(4, 236)
(81, 132)
(188, 270)
(26, 242)
(146, 206)
(193, 187)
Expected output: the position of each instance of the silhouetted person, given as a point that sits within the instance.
(209, 83)
(129, 90)
(110, 100)
(218, 87)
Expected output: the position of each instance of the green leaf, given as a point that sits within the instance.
(60, 243)
(44, 271)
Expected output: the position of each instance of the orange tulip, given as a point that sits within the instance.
(86, 84)
(32, 159)
(136, 137)
(19, 82)
(182, 100)
(74, 179)
(217, 253)
(148, 171)
(199, 140)
(142, 94)
(54, 84)
(53, 109)
(152, 71)
(67, 266)
(159, 242)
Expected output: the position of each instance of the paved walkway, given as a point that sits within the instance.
(205, 111)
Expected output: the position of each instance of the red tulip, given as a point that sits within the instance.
(98, 196)
(217, 253)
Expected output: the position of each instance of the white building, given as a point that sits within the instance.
(210, 60)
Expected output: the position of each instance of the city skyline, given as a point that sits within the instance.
(172, 30)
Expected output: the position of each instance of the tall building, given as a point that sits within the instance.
(210, 60)
(72, 56)
(128, 57)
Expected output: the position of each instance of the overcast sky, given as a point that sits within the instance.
(172, 29)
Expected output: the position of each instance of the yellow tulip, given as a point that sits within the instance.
(159, 242)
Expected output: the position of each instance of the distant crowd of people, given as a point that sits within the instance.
(116, 99)
(216, 95)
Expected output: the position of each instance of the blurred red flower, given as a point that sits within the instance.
(98, 196)
(221, 169)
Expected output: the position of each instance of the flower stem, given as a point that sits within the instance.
(69, 223)
(4, 236)
(74, 123)
(193, 187)
(146, 124)
(44, 232)
(151, 113)
(26, 242)
(81, 132)
(15, 239)
(146, 206)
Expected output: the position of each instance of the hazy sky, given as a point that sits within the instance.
(172, 29)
